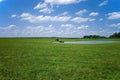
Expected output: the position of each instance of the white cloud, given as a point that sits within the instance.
(47, 5)
(1, 0)
(13, 16)
(10, 27)
(43, 31)
(30, 31)
(74, 28)
(103, 3)
(46, 10)
(64, 30)
(11, 30)
(64, 13)
(81, 12)
(82, 27)
(63, 2)
(91, 19)
(41, 18)
(40, 5)
(114, 15)
(94, 14)
(81, 19)
(115, 25)
(67, 25)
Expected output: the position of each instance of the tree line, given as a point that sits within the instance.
(114, 35)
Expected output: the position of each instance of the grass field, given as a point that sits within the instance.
(41, 59)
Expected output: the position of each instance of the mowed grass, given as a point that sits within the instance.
(41, 59)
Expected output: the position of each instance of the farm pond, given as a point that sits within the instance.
(88, 42)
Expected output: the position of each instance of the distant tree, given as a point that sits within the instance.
(57, 39)
(115, 35)
(119, 34)
(93, 36)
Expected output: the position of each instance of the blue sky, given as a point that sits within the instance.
(59, 18)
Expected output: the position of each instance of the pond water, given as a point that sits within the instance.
(88, 42)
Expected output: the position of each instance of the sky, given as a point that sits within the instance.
(59, 18)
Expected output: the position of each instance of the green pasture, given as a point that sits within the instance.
(42, 59)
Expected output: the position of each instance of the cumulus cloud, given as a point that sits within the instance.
(81, 12)
(63, 2)
(27, 31)
(44, 31)
(1, 0)
(63, 30)
(114, 15)
(94, 14)
(81, 19)
(41, 18)
(46, 10)
(38, 30)
(64, 13)
(82, 27)
(13, 16)
(92, 19)
(115, 25)
(33, 30)
(47, 5)
(43, 7)
(10, 27)
(74, 28)
(11, 30)
(103, 3)
(40, 5)
(67, 25)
